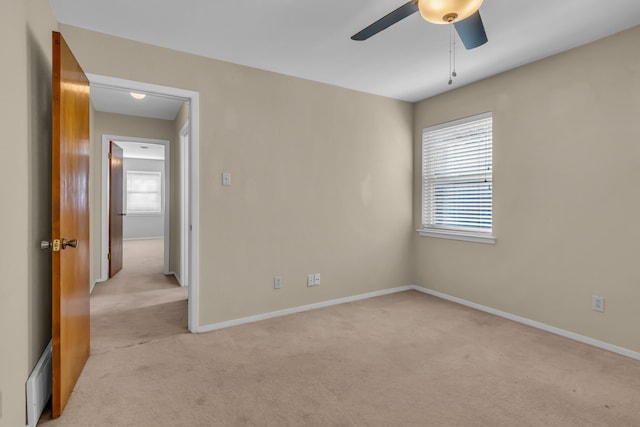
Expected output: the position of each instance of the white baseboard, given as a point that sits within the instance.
(174, 274)
(535, 324)
(300, 309)
(538, 325)
(92, 287)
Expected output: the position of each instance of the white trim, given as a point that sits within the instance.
(184, 204)
(92, 287)
(300, 309)
(453, 235)
(538, 325)
(105, 196)
(174, 274)
(194, 180)
(193, 272)
(146, 214)
(104, 209)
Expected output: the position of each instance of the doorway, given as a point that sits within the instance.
(188, 183)
(145, 196)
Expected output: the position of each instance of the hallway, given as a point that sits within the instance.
(140, 304)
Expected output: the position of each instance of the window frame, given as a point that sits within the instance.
(455, 233)
(159, 192)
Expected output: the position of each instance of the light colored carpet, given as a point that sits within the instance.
(406, 359)
(140, 304)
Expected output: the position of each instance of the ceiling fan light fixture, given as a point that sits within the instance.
(447, 11)
(137, 96)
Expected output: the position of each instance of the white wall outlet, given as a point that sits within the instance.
(316, 279)
(277, 282)
(226, 178)
(597, 303)
(310, 280)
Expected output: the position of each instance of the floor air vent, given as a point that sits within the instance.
(39, 387)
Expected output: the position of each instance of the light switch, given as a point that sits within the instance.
(226, 178)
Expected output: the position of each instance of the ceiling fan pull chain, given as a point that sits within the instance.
(453, 41)
(450, 53)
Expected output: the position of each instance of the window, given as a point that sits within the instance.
(144, 194)
(457, 183)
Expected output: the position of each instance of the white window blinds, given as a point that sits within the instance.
(144, 192)
(457, 175)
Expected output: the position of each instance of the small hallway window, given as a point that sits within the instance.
(144, 192)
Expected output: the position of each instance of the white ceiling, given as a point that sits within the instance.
(115, 100)
(311, 39)
(140, 150)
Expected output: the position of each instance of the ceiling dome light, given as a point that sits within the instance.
(136, 95)
(447, 11)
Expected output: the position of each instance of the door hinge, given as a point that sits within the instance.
(109, 256)
(109, 156)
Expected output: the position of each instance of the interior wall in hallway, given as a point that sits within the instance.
(119, 125)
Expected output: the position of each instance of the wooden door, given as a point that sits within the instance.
(116, 212)
(70, 223)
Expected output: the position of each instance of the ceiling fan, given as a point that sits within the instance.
(463, 14)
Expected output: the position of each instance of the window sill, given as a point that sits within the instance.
(139, 214)
(458, 235)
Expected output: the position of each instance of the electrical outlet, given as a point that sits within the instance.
(310, 280)
(277, 282)
(226, 178)
(597, 303)
(316, 279)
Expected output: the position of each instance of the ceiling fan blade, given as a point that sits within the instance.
(471, 31)
(388, 20)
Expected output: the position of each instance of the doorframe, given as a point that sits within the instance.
(191, 176)
(105, 197)
(185, 136)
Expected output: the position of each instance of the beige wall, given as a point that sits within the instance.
(566, 174)
(321, 179)
(39, 57)
(118, 125)
(14, 287)
(25, 296)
